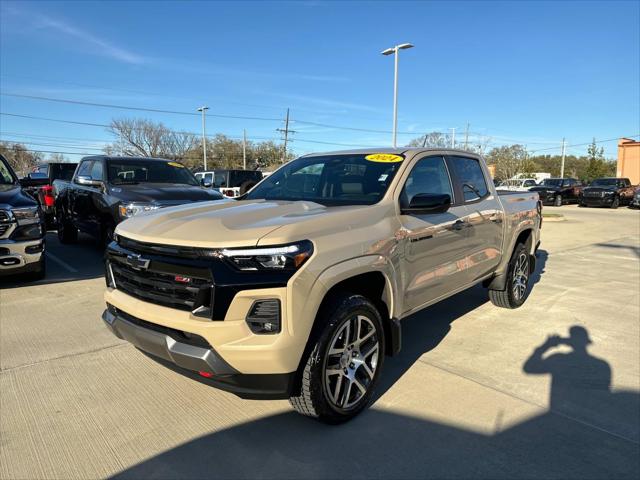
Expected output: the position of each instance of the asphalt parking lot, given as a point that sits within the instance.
(471, 394)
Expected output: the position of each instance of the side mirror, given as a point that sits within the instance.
(428, 203)
(88, 181)
(205, 183)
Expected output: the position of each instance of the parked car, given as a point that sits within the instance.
(231, 183)
(517, 184)
(44, 194)
(22, 229)
(608, 192)
(297, 290)
(106, 190)
(559, 191)
(635, 203)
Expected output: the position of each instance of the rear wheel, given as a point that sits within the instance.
(517, 286)
(557, 202)
(343, 366)
(67, 232)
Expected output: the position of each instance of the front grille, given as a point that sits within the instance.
(594, 194)
(168, 289)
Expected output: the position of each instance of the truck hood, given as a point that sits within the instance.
(162, 193)
(13, 196)
(233, 223)
(545, 188)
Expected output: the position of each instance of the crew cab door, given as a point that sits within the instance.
(484, 217)
(433, 244)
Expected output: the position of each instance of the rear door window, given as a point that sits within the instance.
(469, 173)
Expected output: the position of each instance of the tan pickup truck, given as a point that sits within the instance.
(298, 289)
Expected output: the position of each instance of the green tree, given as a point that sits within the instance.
(597, 166)
(510, 161)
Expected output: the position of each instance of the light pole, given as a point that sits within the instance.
(390, 51)
(203, 109)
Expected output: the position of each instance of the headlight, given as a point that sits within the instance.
(26, 216)
(132, 209)
(282, 257)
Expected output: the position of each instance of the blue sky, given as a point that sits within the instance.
(518, 72)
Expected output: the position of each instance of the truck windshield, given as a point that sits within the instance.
(149, 171)
(331, 180)
(5, 174)
(604, 182)
(552, 182)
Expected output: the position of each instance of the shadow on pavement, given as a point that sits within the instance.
(569, 441)
(65, 263)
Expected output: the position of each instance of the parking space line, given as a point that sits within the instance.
(64, 265)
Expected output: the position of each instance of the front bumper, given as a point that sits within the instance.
(20, 257)
(597, 201)
(191, 356)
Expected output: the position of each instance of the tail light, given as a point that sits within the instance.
(228, 193)
(48, 197)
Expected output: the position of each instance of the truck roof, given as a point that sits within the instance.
(125, 158)
(396, 151)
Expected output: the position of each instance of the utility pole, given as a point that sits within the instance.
(453, 138)
(244, 149)
(203, 109)
(562, 163)
(466, 136)
(286, 132)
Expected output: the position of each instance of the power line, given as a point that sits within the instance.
(178, 112)
(586, 143)
(74, 122)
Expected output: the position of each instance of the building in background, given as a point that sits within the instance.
(629, 160)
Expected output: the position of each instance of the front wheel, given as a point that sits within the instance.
(615, 203)
(67, 233)
(558, 201)
(343, 366)
(517, 286)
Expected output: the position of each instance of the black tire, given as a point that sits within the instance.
(106, 234)
(67, 232)
(616, 203)
(41, 272)
(360, 364)
(557, 202)
(246, 186)
(509, 297)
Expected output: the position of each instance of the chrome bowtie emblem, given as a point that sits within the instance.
(137, 262)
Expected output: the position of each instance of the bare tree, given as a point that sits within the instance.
(146, 138)
(19, 157)
(56, 158)
(509, 161)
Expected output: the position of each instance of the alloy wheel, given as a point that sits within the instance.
(521, 276)
(351, 362)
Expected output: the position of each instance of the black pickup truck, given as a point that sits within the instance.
(49, 172)
(21, 226)
(558, 191)
(608, 192)
(106, 190)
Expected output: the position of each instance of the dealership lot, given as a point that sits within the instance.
(457, 402)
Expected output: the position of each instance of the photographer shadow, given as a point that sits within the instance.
(581, 386)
